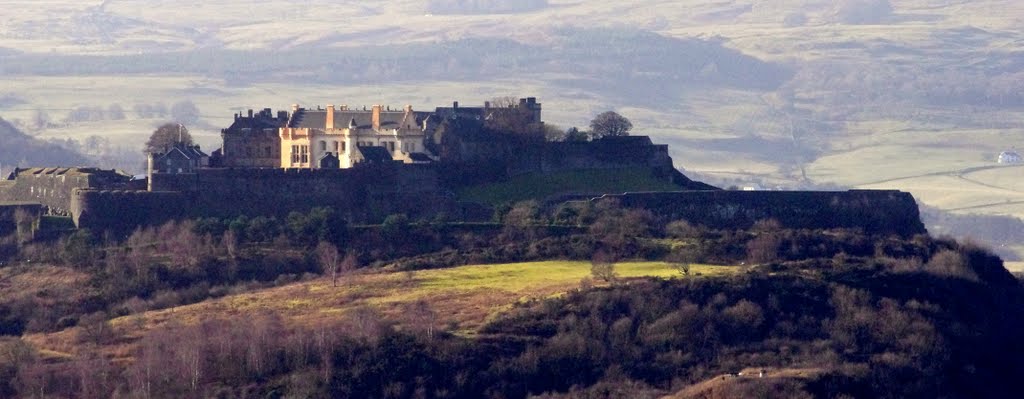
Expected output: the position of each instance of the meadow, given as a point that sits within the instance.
(462, 299)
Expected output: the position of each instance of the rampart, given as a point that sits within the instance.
(874, 211)
(364, 194)
(125, 210)
(53, 187)
(607, 153)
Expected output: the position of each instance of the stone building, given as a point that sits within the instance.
(252, 141)
(181, 158)
(311, 138)
(528, 106)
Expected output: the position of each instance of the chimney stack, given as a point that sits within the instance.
(376, 117)
(250, 113)
(330, 116)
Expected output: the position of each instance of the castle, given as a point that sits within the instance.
(368, 164)
(340, 137)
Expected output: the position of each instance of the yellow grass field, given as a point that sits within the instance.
(463, 298)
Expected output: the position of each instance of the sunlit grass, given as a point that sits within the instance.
(463, 298)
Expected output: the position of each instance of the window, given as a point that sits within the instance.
(342, 148)
(336, 146)
(323, 146)
(390, 145)
(300, 154)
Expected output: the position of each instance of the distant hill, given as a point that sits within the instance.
(21, 150)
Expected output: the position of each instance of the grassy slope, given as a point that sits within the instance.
(594, 181)
(463, 298)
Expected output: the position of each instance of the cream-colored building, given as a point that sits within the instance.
(332, 138)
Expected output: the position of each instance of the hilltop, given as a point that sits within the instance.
(911, 95)
(823, 313)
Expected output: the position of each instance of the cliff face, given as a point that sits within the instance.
(874, 211)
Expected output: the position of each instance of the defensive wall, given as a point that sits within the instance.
(52, 187)
(552, 157)
(874, 211)
(362, 195)
(606, 153)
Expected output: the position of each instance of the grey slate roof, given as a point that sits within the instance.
(375, 153)
(317, 119)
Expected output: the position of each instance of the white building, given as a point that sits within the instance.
(313, 138)
(1008, 157)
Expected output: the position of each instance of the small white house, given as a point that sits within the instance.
(1007, 157)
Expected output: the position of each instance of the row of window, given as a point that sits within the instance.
(300, 153)
(339, 146)
(267, 152)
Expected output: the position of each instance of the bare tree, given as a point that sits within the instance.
(165, 136)
(602, 266)
(327, 255)
(610, 124)
(423, 317)
(349, 264)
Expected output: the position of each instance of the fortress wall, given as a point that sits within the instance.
(125, 210)
(51, 190)
(364, 194)
(874, 211)
(600, 154)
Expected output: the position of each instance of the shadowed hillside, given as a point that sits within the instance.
(18, 149)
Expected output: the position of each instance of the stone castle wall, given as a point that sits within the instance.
(53, 187)
(874, 211)
(361, 195)
(125, 210)
(610, 153)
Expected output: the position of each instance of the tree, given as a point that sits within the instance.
(574, 135)
(328, 256)
(602, 266)
(165, 136)
(610, 124)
